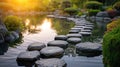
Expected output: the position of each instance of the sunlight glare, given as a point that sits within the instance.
(46, 24)
(27, 22)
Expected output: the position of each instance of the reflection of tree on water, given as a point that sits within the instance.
(62, 26)
(71, 51)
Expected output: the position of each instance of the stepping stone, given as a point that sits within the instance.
(89, 25)
(85, 33)
(74, 31)
(89, 49)
(79, 29)
(36, 46)
(58, 43)
(88, 28)
(52, 52)
(52, 62)
(78, 26)
(74, 35)
(60, 37)
(85, 30)
(74, 40)
(28, 58)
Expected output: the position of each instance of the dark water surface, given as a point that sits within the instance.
(44, 30)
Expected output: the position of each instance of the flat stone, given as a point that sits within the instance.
(74, 35)
(74, 40)
(88, 28)
(60, 37)
(74, 31)
(89, 49)
(58, 43)
(36, 46)
(52, 52)
(85, 33)
(78, 26)
(89, 25)
(27, 58)
(52, 62)
(84, 30)
(79, 29)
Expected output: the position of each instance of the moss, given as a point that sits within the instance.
(111, 48)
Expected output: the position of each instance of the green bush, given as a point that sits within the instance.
(93, 12)
(71, 11)
(117, 5)
(80, 14)
(93, 5)
(111, 48)
(13, 23)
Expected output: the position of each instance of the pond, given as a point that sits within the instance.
(42, 29)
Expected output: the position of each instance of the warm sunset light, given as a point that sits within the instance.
(27, 22)
(46, 24)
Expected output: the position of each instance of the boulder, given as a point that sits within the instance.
(58, 43)
(52, 52)
(52, 62)
(36, 46)
(28, 58)
(102, 14)
(15, 34)
(1, 38)
(74, 40)
(9, 38)
(77, 35)
(89, 49)
(60, 37)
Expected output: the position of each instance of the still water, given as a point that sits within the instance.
(44, 30)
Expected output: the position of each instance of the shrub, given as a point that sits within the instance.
(93, 5)
(117, 5)
(112, 13)
(111, 48)
(13, 23)
(80, 14)
(71, 11)
(93, 12)
(113, 25)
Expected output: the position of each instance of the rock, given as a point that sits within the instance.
(36, 46)
(60, 37)
(58, 43)
(74, 31)
(16, 35)
(78, 26)
(74, 35)
(27, 58)
(85, 30)
(79, 29)
(89, 49)
(102, 14)
(89, 25)
(88, 28)
(52, 52)
(85, 33)
(52, 62)
(74, 40)
(9, 38)
(1, 38)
